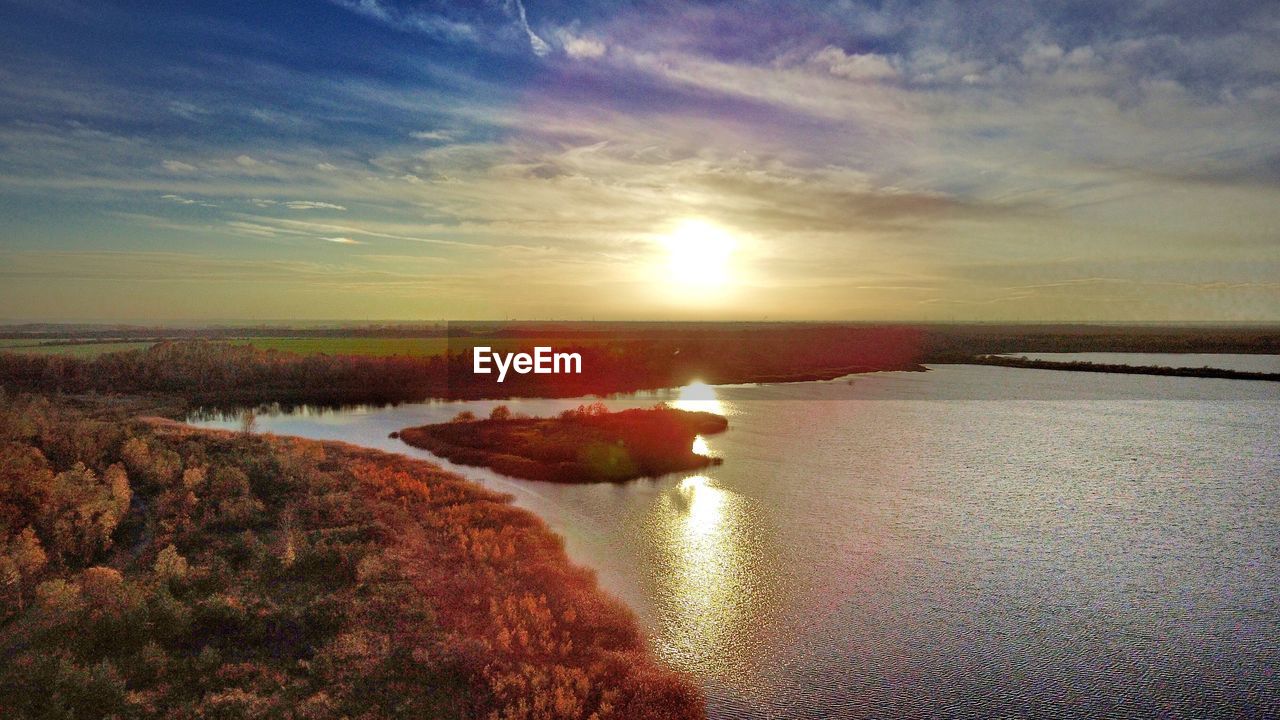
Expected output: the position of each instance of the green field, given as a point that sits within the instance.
(376, 347)
(413, 347)
(84, 350)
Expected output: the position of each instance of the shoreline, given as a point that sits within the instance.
(663, 688)
(414, 588)
(1084, 366)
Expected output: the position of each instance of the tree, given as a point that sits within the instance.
(22, 559)
(169, 565)
(117, 481)
(81, 513)
(102, 586)
(25, 479)
(59, 598)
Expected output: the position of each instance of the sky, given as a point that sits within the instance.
(546, 159)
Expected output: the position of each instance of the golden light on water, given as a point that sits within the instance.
(700, 446)
(706, 506)
(705, 593)
(698, 396)
(710, 560)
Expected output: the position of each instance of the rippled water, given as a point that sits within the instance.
(968, 541)
(1224, 361)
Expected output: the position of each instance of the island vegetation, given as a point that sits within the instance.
(584, 445)
(150, 570)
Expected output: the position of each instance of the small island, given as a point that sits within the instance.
(586, 445)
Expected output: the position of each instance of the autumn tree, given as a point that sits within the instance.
(21, 559)
(83, 510)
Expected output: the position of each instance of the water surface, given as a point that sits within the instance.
(968, 541)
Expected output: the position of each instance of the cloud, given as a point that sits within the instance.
(187, 110)
(581, 48)
(537, 44)
(838, 149)
(441, 135)
(187, 201)
(419, 21)
(867, 66)
(342, 240)
(295, 204)
(311, 205)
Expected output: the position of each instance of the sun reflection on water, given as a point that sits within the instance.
(700, 446)
(703, 529)
(706, 507)
(710, 572)
(698, 396)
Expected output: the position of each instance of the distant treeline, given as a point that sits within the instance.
(225, 375)
(937, 342)
(586, 445)
(630, 357)
(1080, 366)
(960, 343)
(54, 334)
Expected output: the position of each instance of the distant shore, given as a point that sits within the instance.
(1081, 366)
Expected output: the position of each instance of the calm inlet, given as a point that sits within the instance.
(971, 540)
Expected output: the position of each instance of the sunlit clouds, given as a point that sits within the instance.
(1010, 161)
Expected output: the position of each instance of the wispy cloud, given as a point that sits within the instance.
(311, 205)
(433, 24)
(187, 201)
(864, 66)
(537, 44)
(579, 47)
(440, 135)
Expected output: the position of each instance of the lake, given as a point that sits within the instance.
(973, 541)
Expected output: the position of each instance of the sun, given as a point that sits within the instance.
(699, 254)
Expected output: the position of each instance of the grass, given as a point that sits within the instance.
(376, 347)
(80, 350)
(372, 347)
(412, 347)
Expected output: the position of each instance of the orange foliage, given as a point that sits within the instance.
(542, 640)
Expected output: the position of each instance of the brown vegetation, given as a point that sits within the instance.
(151, 570)
(230, 376)
(585, 445)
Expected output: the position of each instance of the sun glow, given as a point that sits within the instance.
(699, 254)
(698, 396)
